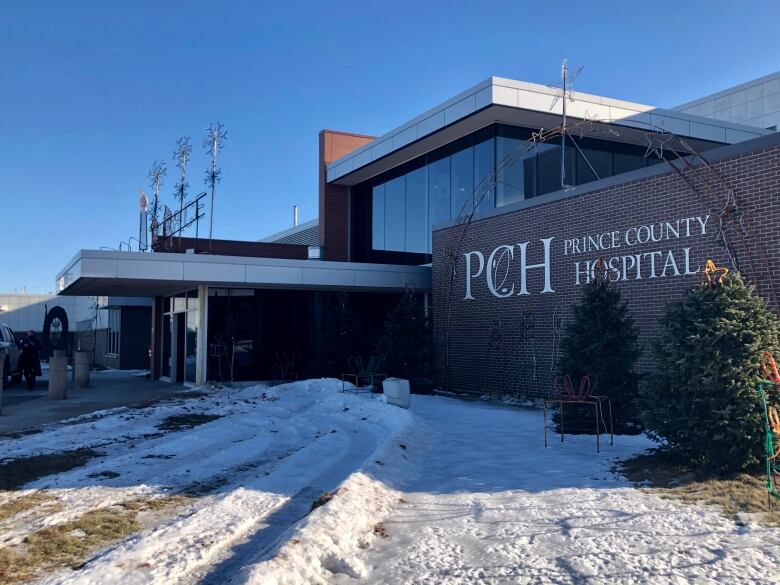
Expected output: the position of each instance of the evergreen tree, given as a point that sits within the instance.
(405, 343)
(703, 401)
(342, 336)
(601, 341)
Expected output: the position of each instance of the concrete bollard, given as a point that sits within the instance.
(81, 363)
(58, 377)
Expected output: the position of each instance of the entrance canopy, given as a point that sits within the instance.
(101, 272)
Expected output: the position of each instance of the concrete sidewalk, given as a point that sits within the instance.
(26, 410)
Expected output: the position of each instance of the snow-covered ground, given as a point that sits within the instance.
(448, 492)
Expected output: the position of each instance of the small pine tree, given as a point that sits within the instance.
(405, 343)
(601, 341)
(703, 402)
(342, 336)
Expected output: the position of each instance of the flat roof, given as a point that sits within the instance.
(104, 272)
(306, 233)
(729, 91)
(524, 104)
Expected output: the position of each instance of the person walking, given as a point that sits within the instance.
(30, 360)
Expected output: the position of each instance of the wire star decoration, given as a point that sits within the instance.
(655, 142)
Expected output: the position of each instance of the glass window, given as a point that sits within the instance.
(627, 157)
(598, 154)
(416, 211)
(166, 346)
(438, 192)
(462, 181)
(179, 303)
(510, 183)
(191, 345)
(395, 214)
(484, 162)
(112, 332)
(549, 167)
(378, 218)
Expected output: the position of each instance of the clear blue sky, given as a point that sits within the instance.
(92, 92)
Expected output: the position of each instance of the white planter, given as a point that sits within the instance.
(397, 391)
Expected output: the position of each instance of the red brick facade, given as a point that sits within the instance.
(334, 199)
(506, 342)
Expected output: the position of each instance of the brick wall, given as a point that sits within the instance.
(508, 344)
(334, 199)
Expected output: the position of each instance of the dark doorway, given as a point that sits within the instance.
(179, 324)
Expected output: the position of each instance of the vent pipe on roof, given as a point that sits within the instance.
(295, 216)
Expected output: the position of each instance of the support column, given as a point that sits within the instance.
(155, 346)
(202, 355)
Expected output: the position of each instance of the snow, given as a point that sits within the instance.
(446, 492)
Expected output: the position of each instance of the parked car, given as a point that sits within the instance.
(9, 356)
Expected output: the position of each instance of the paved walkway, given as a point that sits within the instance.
(23, 409)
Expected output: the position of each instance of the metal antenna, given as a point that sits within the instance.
(565, 91)
(143, 204)
(215, 136)
(156, 174)
(182, 156)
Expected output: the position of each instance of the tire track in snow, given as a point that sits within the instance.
(256, 514)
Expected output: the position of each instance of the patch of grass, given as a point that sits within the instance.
(72, 543)
(22, 504)
(18, 472)
(183, 422)
(668, 478)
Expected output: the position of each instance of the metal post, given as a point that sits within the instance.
(564, 75)
(201, 356)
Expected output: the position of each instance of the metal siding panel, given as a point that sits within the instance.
(150, 269)
(328, 277)
(213, 272)
(505, 96)
(273, 275)
(459, 110)
(430, 124)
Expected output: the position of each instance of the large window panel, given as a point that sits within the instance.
(378, 218)
(462, 181)
(548, 164)
(599, 154)
(510, 182)
(417, 211)
(627, 157)
(438, 192)
(484, 162)
(395, 215)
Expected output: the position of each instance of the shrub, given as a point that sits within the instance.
(702, 401)
(601, 340)
(405, 343)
